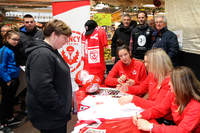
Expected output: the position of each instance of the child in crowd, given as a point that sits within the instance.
(4, 30)
(183, 101)
(127, 70)
(9, 73)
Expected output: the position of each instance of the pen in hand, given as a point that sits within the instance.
(136, 116)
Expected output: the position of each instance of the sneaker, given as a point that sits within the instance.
(7, 130)
(13, 122)
(10, 120)
(1, 127)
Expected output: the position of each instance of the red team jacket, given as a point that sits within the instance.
(187, 122)
(94, 44)
(135, 70)
(150, 85)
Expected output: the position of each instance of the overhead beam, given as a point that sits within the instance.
(24, 4)
(28, 9)
(26, 1)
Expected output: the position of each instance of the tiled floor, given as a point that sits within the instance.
(28, 128)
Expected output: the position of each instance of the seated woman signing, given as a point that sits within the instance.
(183, 101)
(127, 70)
(156, 85)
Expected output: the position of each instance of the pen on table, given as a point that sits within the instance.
(136, 116)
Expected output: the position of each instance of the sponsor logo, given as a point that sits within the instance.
(141, 40)
(134, 72)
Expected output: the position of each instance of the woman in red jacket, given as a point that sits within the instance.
(127, 70)
(159, 67)
(183, 101)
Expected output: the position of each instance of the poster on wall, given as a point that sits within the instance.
(74, 13)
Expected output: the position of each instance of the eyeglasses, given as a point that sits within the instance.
(4, 30)
(15, 39)
(27, 22)
(159, 22)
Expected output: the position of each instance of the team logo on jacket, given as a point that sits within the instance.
(134, 72)
(93, 55)
(141, 40)
(71, 52)
(148, 32)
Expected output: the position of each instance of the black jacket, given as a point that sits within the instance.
(49, 89)
(122, 34)
(168, 41)
(1, 41)
(25, 39)
(142, 40)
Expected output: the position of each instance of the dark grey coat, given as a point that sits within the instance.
(49, 89)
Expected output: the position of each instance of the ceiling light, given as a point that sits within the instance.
(161, 13)
(101, 6)
(93, 12)
(148, 5)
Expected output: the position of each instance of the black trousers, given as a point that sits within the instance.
(62, 129)
(8, 99)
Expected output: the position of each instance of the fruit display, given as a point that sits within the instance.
(107, 52)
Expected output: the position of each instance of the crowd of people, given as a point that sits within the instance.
(145, 66)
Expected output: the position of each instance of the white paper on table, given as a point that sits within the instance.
(106, 107)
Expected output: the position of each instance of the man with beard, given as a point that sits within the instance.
(141, 37)
(123, 33)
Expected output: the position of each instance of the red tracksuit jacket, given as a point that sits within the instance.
(94, 44)
(135, 70)
(187, 122)
(156, 95)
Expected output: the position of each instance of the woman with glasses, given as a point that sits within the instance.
(9, 73)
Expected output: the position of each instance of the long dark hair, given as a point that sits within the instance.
(121, 45)
(186, 86)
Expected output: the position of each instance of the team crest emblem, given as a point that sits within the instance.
(134, 72)
(71, 52)
(94, 56)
